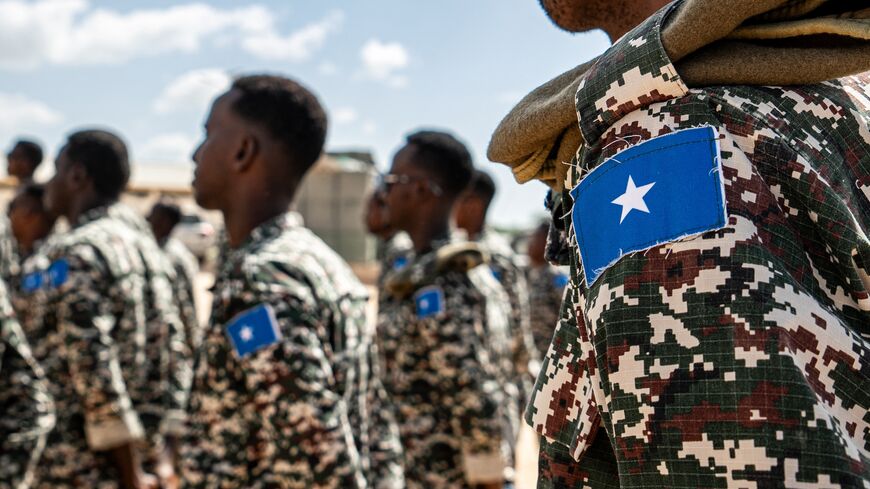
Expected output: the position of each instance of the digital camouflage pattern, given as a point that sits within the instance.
(26, 408)
(546, 288)
(738, 358)
(186, 267)
(317, 388)
(84, 328)
(444, 385)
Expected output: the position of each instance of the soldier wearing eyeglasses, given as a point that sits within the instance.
(438, 369)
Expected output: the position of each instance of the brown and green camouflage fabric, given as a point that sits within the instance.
(186, 267)
(308, 410)
(444, 383)
(26, 408)
(740, 357)
(546, 288)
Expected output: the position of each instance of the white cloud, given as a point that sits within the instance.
(192, 92)
(344, 115)
(171, 147)
(21, 113)
(297, 46)
(381, 61)
(369, 127)
(73, 32)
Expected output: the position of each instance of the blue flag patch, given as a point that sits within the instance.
(32, 282)
(253, 329)
(655, 192)
(57, 273)
(400, 262)
(429, 301)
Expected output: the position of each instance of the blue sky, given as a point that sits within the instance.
(381, 67)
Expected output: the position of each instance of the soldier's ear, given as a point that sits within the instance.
(77, 175)
(246, 152)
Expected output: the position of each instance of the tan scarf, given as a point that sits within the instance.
(711, 42)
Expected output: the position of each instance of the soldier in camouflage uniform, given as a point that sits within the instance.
(30, 222)
(108, 334)
(26, 409)
(162, 220)
(470, 214)
(285, 392)
(436, 314)
(546, 288)
(729, 354)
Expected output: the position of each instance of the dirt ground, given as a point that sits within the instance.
(527, 444)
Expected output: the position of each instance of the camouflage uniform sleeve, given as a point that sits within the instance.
(26, 410)
(86, 322)
(461, 364)
(523, 351)
(297, 399)
(186, 300)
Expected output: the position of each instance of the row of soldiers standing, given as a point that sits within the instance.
(292, 383)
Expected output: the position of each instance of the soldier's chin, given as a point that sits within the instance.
(200, 197)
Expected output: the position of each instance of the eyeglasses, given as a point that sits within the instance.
(388, 180)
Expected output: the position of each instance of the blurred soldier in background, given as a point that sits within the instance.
(284, 392)
(717, 216)
(94, 334)
(30, 222)
(470, 215)
(546, 288)
(23, 160)
(163, 218)
(441, 315)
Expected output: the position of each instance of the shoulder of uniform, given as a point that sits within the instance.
(458, 257)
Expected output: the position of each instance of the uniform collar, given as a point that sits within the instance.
(92, 215)
(272, 228)
(633, 74)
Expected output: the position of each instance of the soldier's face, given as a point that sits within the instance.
(403, 197)
(17, 164)
(212, 177)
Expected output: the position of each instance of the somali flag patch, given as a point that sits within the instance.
(57, 273)
(664, 189)
(253, 329)
(429, 301)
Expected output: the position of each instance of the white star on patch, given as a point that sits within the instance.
(632, 199)
(246, 334)
(424, 304)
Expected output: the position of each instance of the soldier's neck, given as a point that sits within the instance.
(86, 202)
(240, 221)
(428, 231)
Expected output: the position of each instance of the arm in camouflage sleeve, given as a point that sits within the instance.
(179, 363)
(461, 364)
(26, 410)
(298, 421)
(86, 324)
